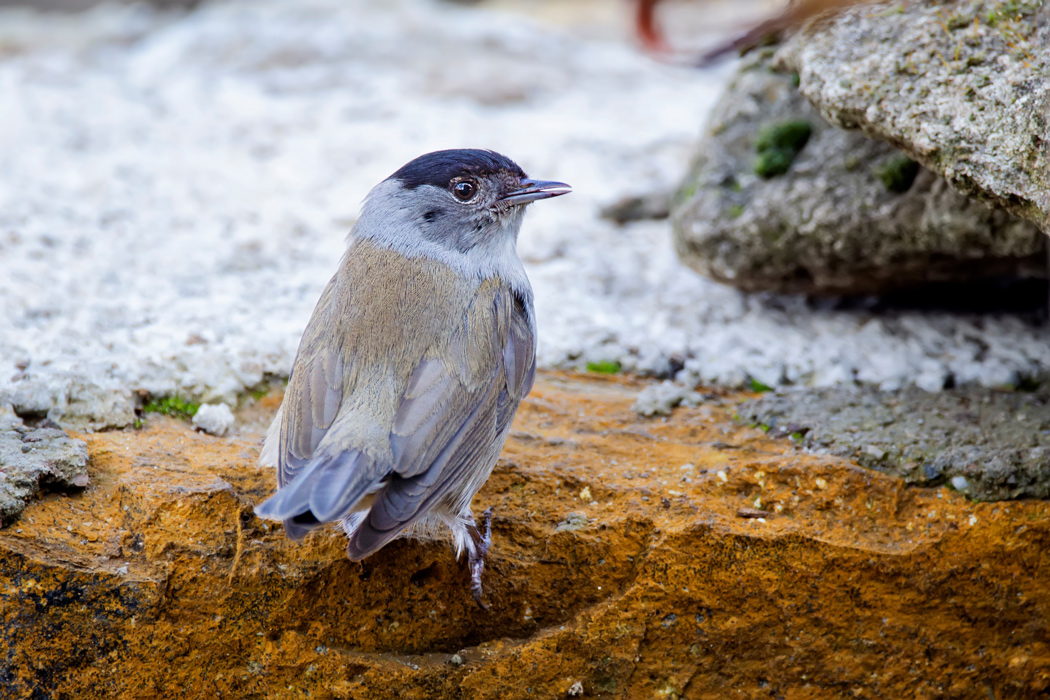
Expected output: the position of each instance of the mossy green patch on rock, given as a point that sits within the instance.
(758, 386)
(788, 135)
(1011, 11)
(173, 406)
(778, 145)
(604, 367)
(898, 173)
(773, 162)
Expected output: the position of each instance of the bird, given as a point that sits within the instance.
(413, 363)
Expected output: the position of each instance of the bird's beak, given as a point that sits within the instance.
(532, 190)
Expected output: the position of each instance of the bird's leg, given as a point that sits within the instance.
(482, 541)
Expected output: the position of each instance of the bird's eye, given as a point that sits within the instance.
(464, 190)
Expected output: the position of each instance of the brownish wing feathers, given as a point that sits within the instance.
(406, 379)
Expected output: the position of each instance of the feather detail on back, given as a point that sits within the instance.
(402, 404)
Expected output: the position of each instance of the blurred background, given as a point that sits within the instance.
(177, 179)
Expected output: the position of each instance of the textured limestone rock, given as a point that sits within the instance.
(71, 400)
(999, 442)
(33, 460)
(687, 556)
(960, 86)
(850, 215)
(661, 399)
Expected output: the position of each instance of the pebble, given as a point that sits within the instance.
(214, 419)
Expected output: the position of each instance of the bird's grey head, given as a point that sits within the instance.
(459, 200)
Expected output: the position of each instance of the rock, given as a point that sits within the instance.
(72, 400)
(849, 581)
(214, 419)
(661, 399)
(959, 86)
(642, 207)
(991, 444)
(779, 200)
(33, 460)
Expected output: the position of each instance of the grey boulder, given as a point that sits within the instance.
(962, 87)
(34, 460)
(780, 200)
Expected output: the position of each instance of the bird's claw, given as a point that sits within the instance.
(476, 560)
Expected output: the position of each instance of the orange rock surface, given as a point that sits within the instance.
(683, 557)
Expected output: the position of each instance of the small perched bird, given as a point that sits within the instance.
(414, 361)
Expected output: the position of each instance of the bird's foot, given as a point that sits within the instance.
(476, 561)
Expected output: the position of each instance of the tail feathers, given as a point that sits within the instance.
(300, 526)
(366, 540)
(324, 491)
(394, 509)
(340, 487)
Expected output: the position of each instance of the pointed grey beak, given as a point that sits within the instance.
(532, 190)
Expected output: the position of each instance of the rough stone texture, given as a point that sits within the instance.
(34, 460)
(999, 441)
(661, 399)
(74, 401)
(960, 86)
(642, 207)
(830, 225)
(687, 557)
(215, 419)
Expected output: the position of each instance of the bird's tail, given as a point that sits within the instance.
(325, 490)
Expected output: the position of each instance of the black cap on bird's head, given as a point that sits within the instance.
(441, 167)
(462, 172)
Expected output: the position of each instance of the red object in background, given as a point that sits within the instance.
(648, 31)
(653, 40)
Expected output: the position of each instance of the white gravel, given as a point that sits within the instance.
(175, 190)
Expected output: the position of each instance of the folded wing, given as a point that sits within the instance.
(353, 431)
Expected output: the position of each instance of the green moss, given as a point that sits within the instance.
(735, 211)
(604, 367)
(172, 406)
(792, 134)
(1011, 10)
(731, 183)
(898, 173)
(779, 144)
(772, 163)
(795, 80)
(759, 387)
(686, 192)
